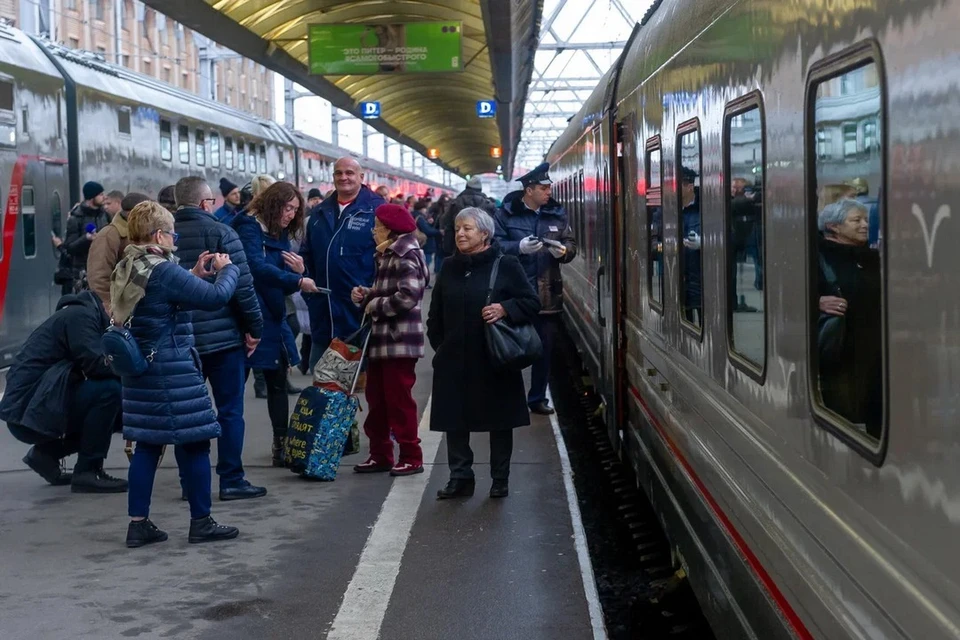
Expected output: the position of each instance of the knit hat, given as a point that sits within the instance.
(91, 190)
(226, 187)
(396, 218)
(475, 183)
(314, 193)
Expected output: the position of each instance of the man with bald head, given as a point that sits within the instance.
(338, 253)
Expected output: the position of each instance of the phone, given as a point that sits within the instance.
(53, 234)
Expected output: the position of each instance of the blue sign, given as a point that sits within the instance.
(486, 108)
(370, 110)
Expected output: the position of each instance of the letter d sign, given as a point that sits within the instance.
(486, 109)
(370, 110)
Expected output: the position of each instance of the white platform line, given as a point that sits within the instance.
(365, 602)
(579, 535)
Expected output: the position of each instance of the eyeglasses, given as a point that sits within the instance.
(212, 201)
(175, 236)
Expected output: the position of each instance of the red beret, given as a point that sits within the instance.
(396, 218)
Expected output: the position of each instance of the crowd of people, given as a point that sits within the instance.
(212, 294)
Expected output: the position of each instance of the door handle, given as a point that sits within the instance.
(601, 270)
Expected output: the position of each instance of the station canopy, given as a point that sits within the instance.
(421, 110)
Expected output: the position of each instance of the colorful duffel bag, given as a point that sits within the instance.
(318, 430)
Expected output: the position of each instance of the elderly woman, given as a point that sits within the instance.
(396, 342)
(272, 219)
(850, 288)
(168, 403)
(469, 393)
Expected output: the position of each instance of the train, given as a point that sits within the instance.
(693, 177)
(68, 116)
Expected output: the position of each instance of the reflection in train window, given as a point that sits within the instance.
(166, 141)
(848, 361)
(123, 120)
(214, 149)
(28, 212)
(183, 143)
(263, 159)
(56, 217)
(201, 147)
(654, 200)
(228, 152)
(241, 156)
(746, 313)
(252, 158)
(691, 234)
(6, 95)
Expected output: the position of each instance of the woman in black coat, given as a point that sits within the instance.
(469, 394)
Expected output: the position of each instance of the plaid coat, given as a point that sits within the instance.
(394, 300)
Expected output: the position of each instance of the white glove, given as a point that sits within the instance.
(530, 245)
(692, 241)
(557, 252)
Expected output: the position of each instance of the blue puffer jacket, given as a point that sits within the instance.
(223, 328)
(338, 252)
(169, 403)
(273, 281)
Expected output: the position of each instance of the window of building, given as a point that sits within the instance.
(690, 226)
(70, 5)
(263, 159)
(6, 95)
(167, 75)
(214, 149)
(746, 302)
(847, 303)
(123, 120)
(228, 152)
(252, 155)
(74, 42)
(183, 140)
(654, 203)
(241, 163)
(871, 136)
(824, 146)
(849, 140)
(56, 215)
(166, 141)
(96, 7)
(29, 214)
(200, 147)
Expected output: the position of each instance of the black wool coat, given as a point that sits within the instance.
(469, 394)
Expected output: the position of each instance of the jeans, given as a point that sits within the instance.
(193, 459)
(546, 325)
(225, 371)
(278, 402)
(460, 455)
(392, 408)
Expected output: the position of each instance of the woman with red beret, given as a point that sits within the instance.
(396, 342)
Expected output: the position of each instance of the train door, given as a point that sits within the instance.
(52, 200)
(607, 279)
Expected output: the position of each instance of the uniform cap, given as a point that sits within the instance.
(475, 183)
(396, 218)
(537, 176)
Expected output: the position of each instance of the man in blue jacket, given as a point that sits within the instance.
(338, 252)
(224, 337)
(533, 226)
(231, 201)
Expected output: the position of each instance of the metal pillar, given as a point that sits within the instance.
(365, 130)
(386, 149)
(288, 99)
(335, 126)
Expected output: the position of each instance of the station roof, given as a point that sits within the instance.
(421, 110)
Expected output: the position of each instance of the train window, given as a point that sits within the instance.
(28, 212)
(123, 120)
(228, 152)
(690, 225)
(183, 142)
(214, 149)
(744, 162)
(59, 118)
(56, 215)
(200, 147)
(6, 95)
(252, 158)
(654, 203)
(241, 157)
(166, 141)
(263, 159)
(846, 231)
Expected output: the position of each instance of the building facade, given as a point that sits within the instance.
(129, 33)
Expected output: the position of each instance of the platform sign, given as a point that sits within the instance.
(370, 110)
(359, 49)
(486, 108)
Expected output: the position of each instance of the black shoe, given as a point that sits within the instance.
(278, 452)
(457, 488)
(541, 408)
(144, 532)
(207, 530)
(260, 390)
(500, 489)
(47, 467)
(97, 482)
(292, 390)
(242, 492)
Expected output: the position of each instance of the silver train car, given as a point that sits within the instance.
(68, 116)
(695, 177)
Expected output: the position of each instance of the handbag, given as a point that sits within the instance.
(510, 346)
(338, 369)
(122, 352)
(831, 330)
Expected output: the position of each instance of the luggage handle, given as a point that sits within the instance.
(363, 349)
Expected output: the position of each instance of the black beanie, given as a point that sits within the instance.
(314, 193)
(91, 190)
(226, 187)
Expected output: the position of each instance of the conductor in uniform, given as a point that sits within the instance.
(531, 225)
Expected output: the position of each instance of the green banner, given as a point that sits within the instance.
(361, 49)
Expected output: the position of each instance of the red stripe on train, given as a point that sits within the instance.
(9, 226)
(752, 561)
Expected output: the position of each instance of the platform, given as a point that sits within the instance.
(337, 560)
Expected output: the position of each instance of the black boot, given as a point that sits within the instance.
(500, 489)
(457, 488)
(207, 530)
(144, 532)
(47, 467)
(279, 457)
(98, 481)
(259, 384)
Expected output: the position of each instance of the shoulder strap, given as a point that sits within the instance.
(828, 273)
(493, 278)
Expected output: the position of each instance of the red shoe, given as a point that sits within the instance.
(371, 466)
(406, 469)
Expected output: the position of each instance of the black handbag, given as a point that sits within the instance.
(509, 345)
(831, 330)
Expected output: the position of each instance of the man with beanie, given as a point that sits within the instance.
(231, 200)
(108, 247)
(86, 219)
(314, 197)
(472, 196)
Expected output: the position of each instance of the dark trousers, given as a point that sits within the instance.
(306, 344)
(460, 455)
(193, 459)
(93, 417)
(278, 403)
(392, 408)
(546, 325)
(225, 371)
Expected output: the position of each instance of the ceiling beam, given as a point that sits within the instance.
(581, 46)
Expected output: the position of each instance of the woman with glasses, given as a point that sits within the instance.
(273, 218)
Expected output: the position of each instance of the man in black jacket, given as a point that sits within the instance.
(62, 398)
(86, 219)
(223, 338)
(472, 196)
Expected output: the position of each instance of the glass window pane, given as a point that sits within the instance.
(56, 216)
(228, 152)
(184, 143)
(123, 120)
(200, 147)
(848, 362)
(252, 158)
(241, 157)
(263, 159)
(654, 200)
(28, 212)
(214, 149)
(688, 195)
(166, 141)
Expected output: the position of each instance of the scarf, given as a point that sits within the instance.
(128, 284)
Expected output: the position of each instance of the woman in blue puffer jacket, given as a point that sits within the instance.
(168, 403)
(273, 218)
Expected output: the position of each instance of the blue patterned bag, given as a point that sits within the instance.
(318, 431)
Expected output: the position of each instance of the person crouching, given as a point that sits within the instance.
(396, 342)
